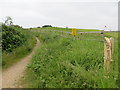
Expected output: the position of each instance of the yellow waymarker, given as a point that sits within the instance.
(73, 31)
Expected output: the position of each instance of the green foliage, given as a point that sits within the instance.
(11, 38)
(68, 63)
(17, 26)
(16, 44)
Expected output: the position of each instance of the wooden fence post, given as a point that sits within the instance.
(108, 51)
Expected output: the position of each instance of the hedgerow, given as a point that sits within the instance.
(12, 38)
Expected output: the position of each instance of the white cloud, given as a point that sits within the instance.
(72, 14)
(32, 1)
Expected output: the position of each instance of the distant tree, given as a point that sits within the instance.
(46, 26)
(8, 21)
(38, 27)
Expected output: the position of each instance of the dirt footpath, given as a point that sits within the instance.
(15, 72)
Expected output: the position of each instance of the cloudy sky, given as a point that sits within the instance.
(73, 13)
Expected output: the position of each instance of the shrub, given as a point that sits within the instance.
(46, 26)
(38, 27)
(17, 26)
(11, 38)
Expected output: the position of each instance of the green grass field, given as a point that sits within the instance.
(63, 62)
(64, 29)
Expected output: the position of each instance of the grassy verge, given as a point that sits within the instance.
(64, 29)
(114, 35)
(10, 58)
(67, 63)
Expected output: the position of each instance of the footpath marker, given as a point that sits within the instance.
(108, 51)
(74, 32)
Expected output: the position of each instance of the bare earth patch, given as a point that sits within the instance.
(11, 76)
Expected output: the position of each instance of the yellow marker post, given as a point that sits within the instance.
(74, 32)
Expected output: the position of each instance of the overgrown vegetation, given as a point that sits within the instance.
(67, 63)
(12, 38)
(16, 43)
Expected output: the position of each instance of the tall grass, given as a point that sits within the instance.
(67, 63)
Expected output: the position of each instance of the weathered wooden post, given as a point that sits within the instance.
(108, 51)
